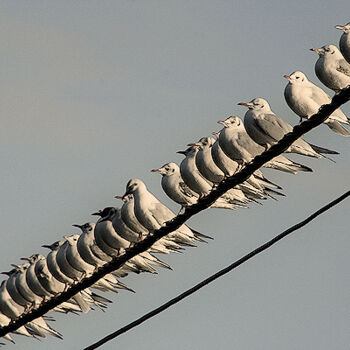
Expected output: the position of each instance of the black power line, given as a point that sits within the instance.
(218, 274)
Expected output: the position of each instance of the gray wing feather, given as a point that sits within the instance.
(161, 213)
(344, 67)
(185, 190)
(273, 126)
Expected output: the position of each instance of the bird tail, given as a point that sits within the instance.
(301, 167)
(267, 182)
(322, 150)
(338, 128)
(200, 236)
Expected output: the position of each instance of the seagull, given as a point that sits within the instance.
(128, 216)
(107, 283)
(113, 244)
(227, 165)
(202, 186)
(205, 162)
(21, 285)
(331, 68)
(32, 279)
(93, 255)
(191, 175)
(266, 129)
(65, 267)
(344, 43)
(12, 289)
(124, 231)
(305, 99)
(252, 188)
(176, 189)
(13, 310)
(54, 287)
(55, 270)
(152, 214)
(174, 186)
(7, 305)
(237, 145)
(163, 245)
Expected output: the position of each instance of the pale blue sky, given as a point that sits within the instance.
(93, 93)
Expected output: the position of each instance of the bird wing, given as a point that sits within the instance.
(272, 126)
(185, 190)
(161, 213)
(343, 67)
(319, 96)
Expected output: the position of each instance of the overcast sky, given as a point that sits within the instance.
(93, 93)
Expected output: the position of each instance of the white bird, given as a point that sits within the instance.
(331, 68)
(238, 145)
(266, 129)
(174, 186)
(106, 283)
(344, 43)
(227, 165)
(205, 162)
(252, 188)
(124, 231)
(21, 285)
(152, 214)
(202, 186)
(230, 166)
(7, 305)
(93, 255)
(32, 279)
(55, 287)
(191, 175)
(12, 289)
(163, 245)
(57, 273)
(305, 99)
(128, 216)
(13, 310)
(114, 245)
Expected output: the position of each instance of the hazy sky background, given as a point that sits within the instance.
(94, 93)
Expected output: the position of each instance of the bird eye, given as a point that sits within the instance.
(296, 77)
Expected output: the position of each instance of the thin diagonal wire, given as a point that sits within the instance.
(172, 225)
(215, 276)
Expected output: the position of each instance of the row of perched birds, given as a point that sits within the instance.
(206, 163)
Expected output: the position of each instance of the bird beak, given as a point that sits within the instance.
(339, 27)
(16, 266)
(287, 77)
(119, 197)
(125, 194)
(316, 50)
(222, 122)
(215, 133)
(181, 152)
(246, 104)
(97, 213)
(192, 144)
(25, 259)
(79, 226)
(155, 171)
(46, 245)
